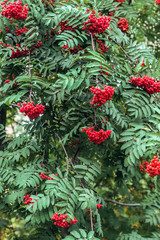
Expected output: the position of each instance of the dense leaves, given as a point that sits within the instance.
(72, 170)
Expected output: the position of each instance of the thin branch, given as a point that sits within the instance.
(123, 50)
(123, 204)
(150, 127)
(68, 159)
(92, 42)
(91, 222)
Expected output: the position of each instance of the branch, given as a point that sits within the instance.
(123, 204)
(91, 222)
(68, 159)
(122, 50)
(150, 127)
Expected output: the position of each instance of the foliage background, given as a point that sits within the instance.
(38, 149)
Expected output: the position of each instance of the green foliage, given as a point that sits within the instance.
(79, 174)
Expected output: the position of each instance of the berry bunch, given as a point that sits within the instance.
(20, 31)
(43, 176)
(8, 80)
(27, 199)
(98, 207)
(61, 220)
(103, 47)
(102, 96)
(152, 168)
(121, 1)
(31, 111)
(47, 2)
(97, 137)
(72, 50)
(64, 26)
(123, 25)
(143, 64)
(15, 10)
(157, 2)
(96, 25)
(19, 52)
(147, 83)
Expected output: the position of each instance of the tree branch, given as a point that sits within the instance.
(122, 50)
(123, 204)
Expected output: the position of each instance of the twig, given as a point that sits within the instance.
(91, 221)
(150, 127)
(122, 50)
(123, 204)
(92, 42)
(68, 159)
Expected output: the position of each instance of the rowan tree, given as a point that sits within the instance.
(86, 164)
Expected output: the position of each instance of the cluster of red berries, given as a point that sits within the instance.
(98, 207)
(147, 83)
(8, 80)
(123, 25)
(43, 176)
(74, 144)
(27, 199)
(152, 168)
(104, 72)
(106, 120)
(61, 220)
(96, 25)
(121, 1)
(64, 26)
(47, 2)
(19, 52)
(30, 110)
(72, 50)
(15, 10)
(20, 31)
(143, 64)
(103, 47)
(97, 137)
(101, 96)
(157, 1)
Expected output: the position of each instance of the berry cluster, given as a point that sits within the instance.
(123, 25)
(20, 31)
(101, 96)
(47, 2)
(61, 220)
(21, 52)
(96, 25)
(8, 80)
(74, 144)
(72, 50)
(143, 64)
(43, 176)
(98, 207)
(121, 1)
(152, 168)
(27, 199)
(31, 111)
(15, 10)
(147, 83)
(157, 1)
(97, 137)
(103, 47)
(64, 26)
